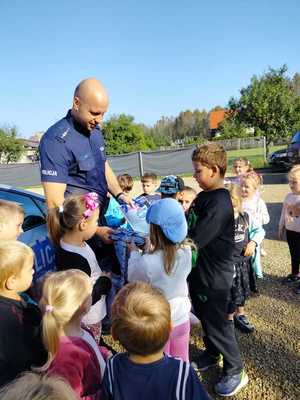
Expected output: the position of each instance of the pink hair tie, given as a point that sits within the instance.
(49, 308)
(91, 203)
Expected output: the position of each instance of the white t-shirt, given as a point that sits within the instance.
(88, 338)
(289, 219)
(98, 310)
(150, 268)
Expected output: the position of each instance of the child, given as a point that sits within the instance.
(188, 195)
(241, 166)
(20, 335)
(254, 205)
(30, 386)
(171, 186)
(113, 215)
(141, 322)
(247, 236)
(290, 222)
(70, 226)
(166, 266)
(149, 183)
(73, 353)
(212, 230)
(11, 220)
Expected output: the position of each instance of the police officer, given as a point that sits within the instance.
(72, 151)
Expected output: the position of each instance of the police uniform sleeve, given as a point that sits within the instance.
(54, 161)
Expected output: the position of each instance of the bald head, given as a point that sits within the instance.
(90, 103)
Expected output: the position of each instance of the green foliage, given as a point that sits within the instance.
(122, 135)
(269, 105)
(231, 128)
(190, 124)
(11, 148)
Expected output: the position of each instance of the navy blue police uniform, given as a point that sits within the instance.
(72, 156)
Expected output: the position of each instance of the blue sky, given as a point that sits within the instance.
(155, 57)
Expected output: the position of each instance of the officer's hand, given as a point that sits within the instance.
(125, 198)
(104, 232)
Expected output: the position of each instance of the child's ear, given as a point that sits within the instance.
(82, 224)
(10, 283)
(215, 169)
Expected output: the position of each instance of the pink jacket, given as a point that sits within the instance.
(77, 363)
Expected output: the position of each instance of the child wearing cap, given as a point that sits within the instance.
(166, 265)
(141, 322)
(171, 186)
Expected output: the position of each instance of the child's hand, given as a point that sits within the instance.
(281, 232)
(250, 249)
(132, 246)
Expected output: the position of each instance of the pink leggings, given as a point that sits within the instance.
(178, 343)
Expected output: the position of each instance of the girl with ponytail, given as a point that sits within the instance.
(73, 352)
(70, 226)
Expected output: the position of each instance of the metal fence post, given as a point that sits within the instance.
(265, 149)
(141, 163)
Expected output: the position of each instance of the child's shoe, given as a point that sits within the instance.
(291, 279)
(297, 290)
(205, 361)
(230, 385)
(242, 323)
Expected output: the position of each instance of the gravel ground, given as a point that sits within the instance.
(272, 353)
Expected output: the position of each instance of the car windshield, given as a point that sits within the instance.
(296, 137)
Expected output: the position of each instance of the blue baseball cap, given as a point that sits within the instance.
(171, 184)
(168, 214)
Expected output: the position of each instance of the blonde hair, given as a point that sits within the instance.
(65, 219)
(210, 155)
(254, 179)
(149, 176)
(190, 190)
(30, 386)
(236, 197)
(9, 209)
(141, 319)
(63, 297)
(14, 256)
(294, 172)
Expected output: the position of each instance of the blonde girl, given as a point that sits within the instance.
(290, 223)
(247, 236)
(70, 226)
(166, 265)
(73, 353)
(254, 205)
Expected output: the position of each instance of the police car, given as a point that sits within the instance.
(35, 232)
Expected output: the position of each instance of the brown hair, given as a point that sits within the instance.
(65, 218)
(149, 176)
(14, 255)
(65, 292)
(141, 319)
(8, 209)
(245, 161)
(160, 242)
(30, 386)
(210, 155)
(125, 182)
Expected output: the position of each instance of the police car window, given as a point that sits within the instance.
(33, 215)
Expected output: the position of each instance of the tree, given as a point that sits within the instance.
(122, 135)
(269, 105)
(296, 83)
(11, 148)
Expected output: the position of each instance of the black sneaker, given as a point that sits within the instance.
(290, 279)
(242, 323)
(205, 361)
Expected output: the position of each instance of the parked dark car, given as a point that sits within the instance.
(278, 160)
(35, 232)
(293, 150)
